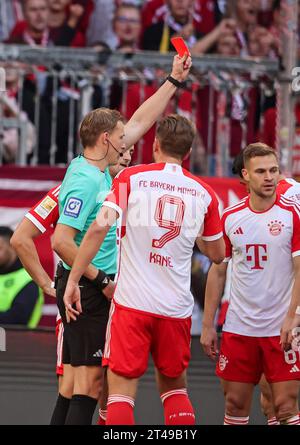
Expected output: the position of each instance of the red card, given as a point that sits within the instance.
(180, 46)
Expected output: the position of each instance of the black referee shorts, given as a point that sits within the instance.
(84, 339)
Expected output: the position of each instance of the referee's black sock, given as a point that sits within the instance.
(60, 411)
(81, 410)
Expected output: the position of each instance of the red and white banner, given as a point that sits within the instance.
(21, 188)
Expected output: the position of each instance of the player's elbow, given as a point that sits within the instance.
(217, 258)
(58, 243)
(216, 251)
(17, 241)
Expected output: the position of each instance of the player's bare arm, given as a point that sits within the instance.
(213, 294)
(90, 245)
(64, 245)
(23, 243)
(289, 321)
(148, 113)
(214, 250)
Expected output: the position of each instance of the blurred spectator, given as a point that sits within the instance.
(63, 23)
(21, 300)
(227, 45)
(244, 12)
(265, 12)
(47, 24)
(10, 13)
(221, 40)
(83, 25)
(278, 23)
(262, 43)
(34, 30)
(206, 13)
(11, 135)
(153, 12)
(127, 27)
(239, 109)
(177, 21)
(11, 109)
(100, 27)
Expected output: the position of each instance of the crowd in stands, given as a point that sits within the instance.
(232, 27)
(226, 27)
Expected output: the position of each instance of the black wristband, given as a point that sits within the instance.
(101, 280)
(175, 82)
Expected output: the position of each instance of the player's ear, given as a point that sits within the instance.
(156, 145)
(188, 154)
(245, 174)
(102, 139)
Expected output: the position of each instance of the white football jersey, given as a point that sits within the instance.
(289, 188)
(261, 246)
(164, 208)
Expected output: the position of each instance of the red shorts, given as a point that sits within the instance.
(245, 359)
(59, 331)
(131, 335)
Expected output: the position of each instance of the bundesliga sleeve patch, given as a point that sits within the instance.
(73, 207)
(45, 207)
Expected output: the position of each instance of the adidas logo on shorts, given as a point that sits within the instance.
(98, 354)
(295, 369)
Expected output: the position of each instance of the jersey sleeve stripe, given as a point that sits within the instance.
(296, 253)
(55, 192)
(236, 207)
(212, 238)
(288, 203)
(35, 222)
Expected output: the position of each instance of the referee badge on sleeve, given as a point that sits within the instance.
(73, 207)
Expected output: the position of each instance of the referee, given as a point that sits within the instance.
(104, 138)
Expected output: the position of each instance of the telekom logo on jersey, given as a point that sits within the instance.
(257, 255)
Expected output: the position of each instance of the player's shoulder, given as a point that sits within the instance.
(236, 208)
(81, 168)
(82, 177)
(54, 192)
(288, 204)
(137, 169)
(45, 213)
(199, 181)
(286, 184)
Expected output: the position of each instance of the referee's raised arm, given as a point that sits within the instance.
(149, 112)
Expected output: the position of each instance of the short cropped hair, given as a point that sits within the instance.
(6, 232)
(257, 149)
(97, 122)
(238, 164)
(175, 134)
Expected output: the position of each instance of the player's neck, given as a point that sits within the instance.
(261, 204)
(161, 158)
(95, 158)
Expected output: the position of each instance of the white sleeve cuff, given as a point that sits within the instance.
(112, 205)
(297, 253)
(34, 221)
(227, 259)
(213, 237)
